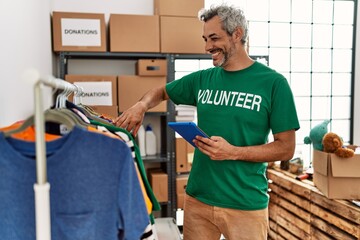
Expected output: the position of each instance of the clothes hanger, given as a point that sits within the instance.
(59, 114)
(49, 116)
(61, 100)
(77, 104)
(78, 94)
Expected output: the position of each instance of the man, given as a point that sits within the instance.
(238, 102)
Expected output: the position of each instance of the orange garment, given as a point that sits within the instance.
(146, 197)
(28, 134)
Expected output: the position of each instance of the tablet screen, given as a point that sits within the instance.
(188, 130)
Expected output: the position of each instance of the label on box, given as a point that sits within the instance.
(80, 32)
(96, 93)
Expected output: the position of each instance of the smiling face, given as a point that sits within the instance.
(218, 43)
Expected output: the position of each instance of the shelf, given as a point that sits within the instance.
(155, 158)
(157, 113)
(110, 55)
(208, 56)
(192, 56)
(166, 156)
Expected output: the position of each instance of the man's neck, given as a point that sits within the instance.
(239, 63)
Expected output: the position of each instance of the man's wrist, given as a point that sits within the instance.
(144, 107)
(235, 153)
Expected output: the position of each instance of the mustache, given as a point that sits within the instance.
(215, 50)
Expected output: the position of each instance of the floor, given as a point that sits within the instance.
(166, 229)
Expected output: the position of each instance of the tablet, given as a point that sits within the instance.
(188, 130)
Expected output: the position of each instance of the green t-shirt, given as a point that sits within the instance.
(242, 107)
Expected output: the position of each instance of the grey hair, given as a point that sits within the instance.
(230, 17)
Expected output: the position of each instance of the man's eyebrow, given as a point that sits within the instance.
(211, 35)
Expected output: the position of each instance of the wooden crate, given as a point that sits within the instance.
(298, 210)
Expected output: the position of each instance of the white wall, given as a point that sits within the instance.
(25, 28)
(144, 7)
(25, 43)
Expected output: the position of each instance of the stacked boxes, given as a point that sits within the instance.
(181, 182)
(79, 32)
(181, 35)
(184, 8)
(151, 67)
(134, 33)
(159, 184)
(184, 155)
(132, 88)
(180, 28)
(111, 94)
(174, 28)
(151, 73)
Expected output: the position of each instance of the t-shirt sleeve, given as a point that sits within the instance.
(283, 110)
(182, 91)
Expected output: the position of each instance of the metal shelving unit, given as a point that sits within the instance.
(65, 56)
(166, 158)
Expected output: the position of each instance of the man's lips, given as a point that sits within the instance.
(215, 53)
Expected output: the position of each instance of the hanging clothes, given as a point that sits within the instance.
(94, 190)
(150, 200)
(130, 141)
(104, 124)
(137, 157)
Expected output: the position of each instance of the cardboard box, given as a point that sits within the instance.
(111, 111)
(97, 90)
(79, 32)
(181, 35)
(151, 67)
(189, 8)
(180, 200)
(337, 178)
(181, 182)
(184, 155)
(134, 33)
(159, 185)
(132, 88)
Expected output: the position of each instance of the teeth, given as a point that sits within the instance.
(215, 54)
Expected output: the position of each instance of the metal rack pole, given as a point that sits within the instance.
(42, 187)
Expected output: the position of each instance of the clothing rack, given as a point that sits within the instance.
(42, 187)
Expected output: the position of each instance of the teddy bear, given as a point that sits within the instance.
(333, 143)
(316, 135)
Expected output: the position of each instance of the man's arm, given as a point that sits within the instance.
(132, 118)
(281, 149)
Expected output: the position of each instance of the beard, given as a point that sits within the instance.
(223, 60)
(226, 56)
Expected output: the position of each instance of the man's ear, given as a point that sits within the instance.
(238, 34)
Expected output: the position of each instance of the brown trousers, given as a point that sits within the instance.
(205, 222)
